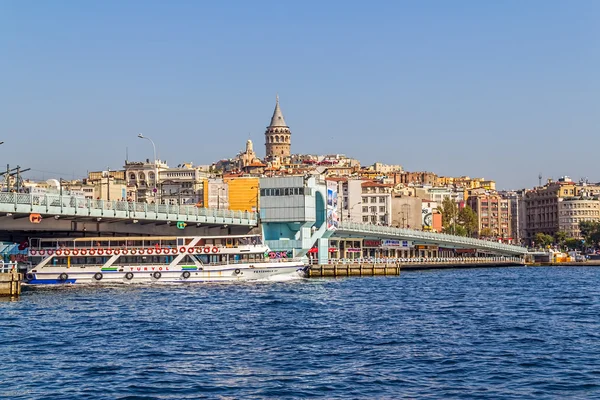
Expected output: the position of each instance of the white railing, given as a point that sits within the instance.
(424, 260)
(70, 205)
(433, 237)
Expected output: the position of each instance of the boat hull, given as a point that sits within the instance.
(156, 274)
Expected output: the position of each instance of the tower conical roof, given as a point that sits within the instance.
(277, 119)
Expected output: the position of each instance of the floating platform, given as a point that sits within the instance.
(335, 270)
(10, 283)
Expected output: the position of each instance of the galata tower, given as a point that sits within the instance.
(278, 135)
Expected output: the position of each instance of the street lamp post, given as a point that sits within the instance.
(350, 211)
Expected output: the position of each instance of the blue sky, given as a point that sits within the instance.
(503, 90)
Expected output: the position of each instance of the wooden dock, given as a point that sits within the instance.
(388, 269)
(335, 270)
(10, 283)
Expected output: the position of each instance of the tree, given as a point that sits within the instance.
(449, 212)
(590, 230)
(543, 240)
(573, 244)
(560, 238)
(486, 233)
(468, 219)
(460, 231)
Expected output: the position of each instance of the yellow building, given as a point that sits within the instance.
(243, 193)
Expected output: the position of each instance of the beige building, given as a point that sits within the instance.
(572, 211)
(407, 212)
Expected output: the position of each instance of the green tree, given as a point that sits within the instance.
(573, 244)
(543, 240)
(590, 230)
(560, 238)
(468, 220)
(486, 233)
(449, 212)
(460, 231)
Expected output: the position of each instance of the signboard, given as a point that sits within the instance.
(396, 244)
(332, 206)
(371, 243)
(35, 218)
(181, 225)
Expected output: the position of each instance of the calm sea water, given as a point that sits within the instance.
(506, 333)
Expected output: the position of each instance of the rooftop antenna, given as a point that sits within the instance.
(126, 153)
(540, 179)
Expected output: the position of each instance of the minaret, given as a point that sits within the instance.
(278, 135)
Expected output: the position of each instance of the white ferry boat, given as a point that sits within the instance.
(162, 259)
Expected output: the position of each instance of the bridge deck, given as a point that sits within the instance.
(67, 206)
(440, 239)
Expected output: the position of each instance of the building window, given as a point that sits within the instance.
(382, 199)
(365, 209)
(373, 199)
(373, 209)
(374, 219)
(381, 208)
(365, 218)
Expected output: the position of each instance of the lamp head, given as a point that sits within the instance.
(140, 136)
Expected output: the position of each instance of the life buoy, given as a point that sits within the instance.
(92, 252)
(67, 252)
(186, 274)
(198, 250)
(117, 251)
(42, 252)
(237, 271)
(157, 275)
(190, 250)
(83, 252)
(215, 250)
(109, 252)
(98, 276)
(58, 252)
(173, 251)
(129, 276)
(141, 251)
(158, 251)
(100, 252)
(207, 250)
(30, 276)
(182, 249)
(32, 252)
(125, 251)
(50, 252)
(150, 251)
(63, 277)
(75, 252)
(133, 251)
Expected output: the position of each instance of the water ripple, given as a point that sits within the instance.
(512, 333)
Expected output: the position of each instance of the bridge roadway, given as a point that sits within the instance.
(67, 213)
(349, 229)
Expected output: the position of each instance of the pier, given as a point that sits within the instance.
(10, 280)
(339, 268)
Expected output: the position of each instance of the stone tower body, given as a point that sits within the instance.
(278, 135)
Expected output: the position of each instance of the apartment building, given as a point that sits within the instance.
(572, 211)
(493, 215)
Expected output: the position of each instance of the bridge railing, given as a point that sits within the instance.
(411, 234)
(82, 206)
